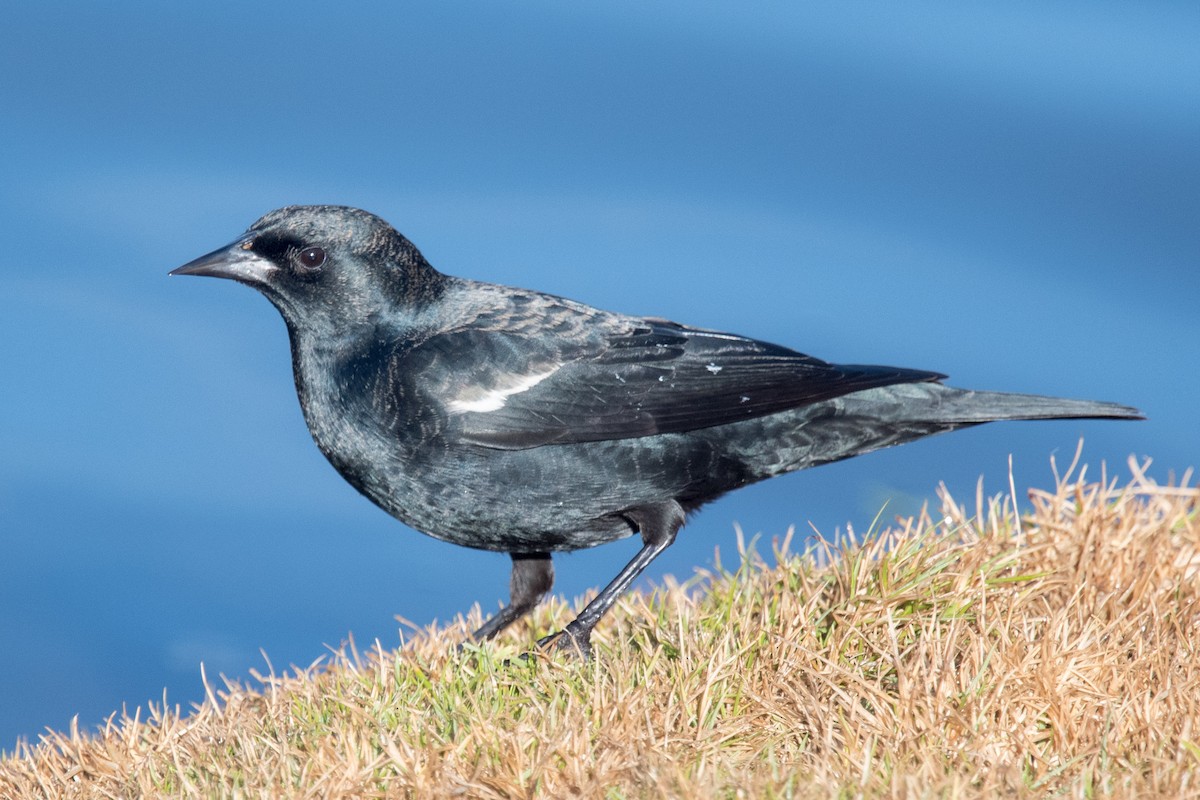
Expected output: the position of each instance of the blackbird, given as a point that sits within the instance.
(512, 420)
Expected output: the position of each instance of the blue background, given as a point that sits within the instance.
(1007, 194)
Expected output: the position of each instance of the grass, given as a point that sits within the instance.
(963, 654)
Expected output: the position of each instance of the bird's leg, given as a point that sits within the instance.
(658, 525)
(532, 577)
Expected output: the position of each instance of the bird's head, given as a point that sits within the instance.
(325, 266)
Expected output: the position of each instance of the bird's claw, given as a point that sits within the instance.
(575, 642)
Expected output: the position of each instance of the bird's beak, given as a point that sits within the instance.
(236, 261)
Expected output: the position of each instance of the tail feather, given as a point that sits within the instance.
(947, 404)
(886, 416)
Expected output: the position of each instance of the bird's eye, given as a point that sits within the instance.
(311, 257)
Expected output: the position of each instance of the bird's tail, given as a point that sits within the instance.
(886, 416)
(936, 403)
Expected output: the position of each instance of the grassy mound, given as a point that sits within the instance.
(963, 654)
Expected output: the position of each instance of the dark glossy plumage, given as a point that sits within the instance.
(511, 420)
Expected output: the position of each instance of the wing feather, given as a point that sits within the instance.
(514, 391)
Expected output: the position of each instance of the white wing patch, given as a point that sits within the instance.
(480, 400)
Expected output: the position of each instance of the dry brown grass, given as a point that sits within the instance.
(964, 656)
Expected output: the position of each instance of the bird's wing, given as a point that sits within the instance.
(514, 391)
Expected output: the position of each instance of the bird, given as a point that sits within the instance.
(511, 420)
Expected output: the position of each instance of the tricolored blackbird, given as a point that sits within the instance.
(511, 420)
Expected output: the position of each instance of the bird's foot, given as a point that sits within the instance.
(575, 641)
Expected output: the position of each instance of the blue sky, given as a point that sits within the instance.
(1008, 194)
